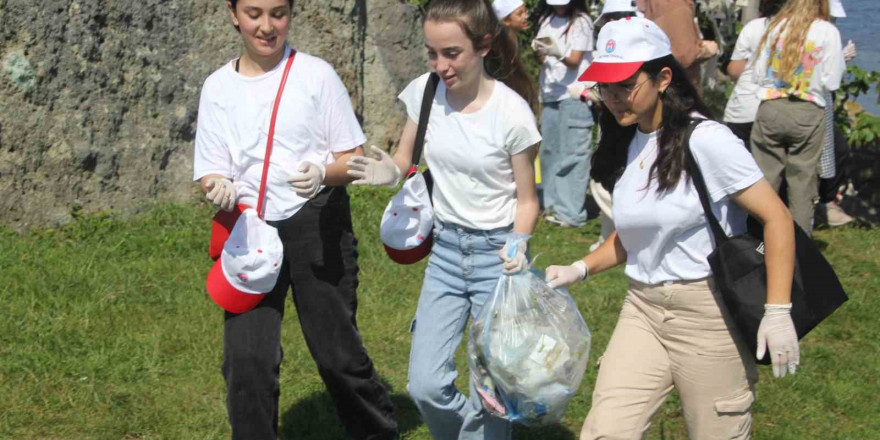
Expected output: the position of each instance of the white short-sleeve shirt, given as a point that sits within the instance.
(744, 101)
(469, 154)
(820, 70)
(315, 119)
(667, 236)
(555, 76)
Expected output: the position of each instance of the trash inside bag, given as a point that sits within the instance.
(528, 350)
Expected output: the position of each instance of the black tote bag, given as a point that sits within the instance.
(741, 276)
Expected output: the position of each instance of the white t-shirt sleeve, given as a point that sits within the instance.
(726, 165)
(339, 125)
(211, 155)
(833, 64)
(412, 95)
(581, 33)
(748, 40)
(522, 130)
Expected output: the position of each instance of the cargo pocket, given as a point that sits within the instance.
(738, 403)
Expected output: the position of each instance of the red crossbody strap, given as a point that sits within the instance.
(261, 199)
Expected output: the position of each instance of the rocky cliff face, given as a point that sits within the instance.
(98, 98)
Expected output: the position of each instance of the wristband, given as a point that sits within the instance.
(777, 309)
(584, 269)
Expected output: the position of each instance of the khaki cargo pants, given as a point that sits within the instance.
(787, 139)
(673, 335)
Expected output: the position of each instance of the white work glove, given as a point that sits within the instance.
(375, 172)
(849, 51)
(518, 263)
(777, 335)
(221, 193)
(581, 91)
(561, 276)
(307, 183)
(548, 48)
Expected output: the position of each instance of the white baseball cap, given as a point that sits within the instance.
(249, 264)
(623, 47)
(503, 8)
(618, 6)
(558, 2)
(407, 222)
(836, 9)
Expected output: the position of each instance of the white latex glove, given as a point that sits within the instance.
(849, 51)
(581, 91)
(221, 193)
(561, 276)
(376, 172)
(518, 263)
(307, 183)
(777, 335)
(547, 48)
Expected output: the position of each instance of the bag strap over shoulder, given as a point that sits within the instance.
(261, 198)
(424, 115)
(700, 184)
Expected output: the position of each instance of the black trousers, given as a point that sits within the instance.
(320, 264)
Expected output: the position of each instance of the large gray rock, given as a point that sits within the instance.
(98, 99)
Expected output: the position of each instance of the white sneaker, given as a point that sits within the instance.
(836, 215)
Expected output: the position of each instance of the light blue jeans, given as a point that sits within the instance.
(462, 271)
(567, 129)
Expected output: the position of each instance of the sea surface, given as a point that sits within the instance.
(862, 25)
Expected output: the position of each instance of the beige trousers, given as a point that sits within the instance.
(673, 335)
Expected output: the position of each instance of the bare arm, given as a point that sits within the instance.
(735, 68)
(608, 255)
(762, 203)
(526, 195)
(403, 155)
(336, 173)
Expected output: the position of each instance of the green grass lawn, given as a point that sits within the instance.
(107, 333)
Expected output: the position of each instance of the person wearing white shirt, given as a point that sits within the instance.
(479, 144)
(798, 62)
(564, 42)
(316, 132)
(673, 329)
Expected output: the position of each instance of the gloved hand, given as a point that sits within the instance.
(308, 182)
(221, 193)
(581, 91)
(376, 172)
(548, 47)
(849, 51)
(561, 276)
(777, 335)
(708, 49)
(518, 263)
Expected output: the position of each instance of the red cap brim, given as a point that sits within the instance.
(229, 298)
(610, 72)
(410, 256)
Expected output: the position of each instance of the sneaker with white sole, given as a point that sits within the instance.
(836, 215)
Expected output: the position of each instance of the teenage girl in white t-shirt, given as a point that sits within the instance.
(477, 147)
(672, 330)
(315, 133)
(563, 43)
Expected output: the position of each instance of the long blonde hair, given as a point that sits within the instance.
(794, 19)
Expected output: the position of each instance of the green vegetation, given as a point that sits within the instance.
(108, 334)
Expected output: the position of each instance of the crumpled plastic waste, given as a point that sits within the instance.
(528, 350)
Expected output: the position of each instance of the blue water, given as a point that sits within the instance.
(861, 26)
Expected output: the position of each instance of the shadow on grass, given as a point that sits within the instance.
(314, 417)
(550, 432)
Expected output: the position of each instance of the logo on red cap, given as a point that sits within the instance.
(610, 46)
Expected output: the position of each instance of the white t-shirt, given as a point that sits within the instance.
(315, 119)
(469, 154)
(821, 68)
(743, 103)
(556, 76)
(666, 236)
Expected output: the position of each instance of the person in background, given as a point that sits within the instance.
(832, 162)
(741, 108)
(613, 10)
(798, 62)
(673, 329)
(513, 14)
(478, 145)
(677, 19)
(564, 42)
(306, 200)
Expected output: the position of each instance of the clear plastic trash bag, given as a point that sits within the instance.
(528, 350)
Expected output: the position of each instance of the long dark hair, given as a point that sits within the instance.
(679, 100)
(544, 11)
(477, 19)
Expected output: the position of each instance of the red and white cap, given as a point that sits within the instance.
(407, 222)
(612, 6)
(503, 8)
(248, 266)
(623, 47)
